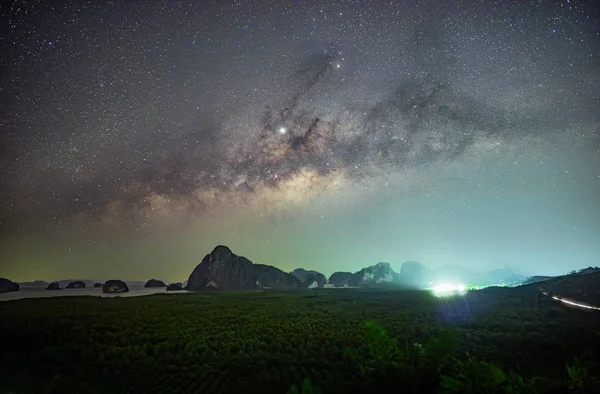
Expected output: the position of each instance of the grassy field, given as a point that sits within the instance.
(263, 342)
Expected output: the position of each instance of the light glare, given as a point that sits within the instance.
(447, 289)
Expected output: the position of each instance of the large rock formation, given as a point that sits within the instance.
(376, 274)
(173, 286)
(340, 278)
(64, 283)
(115, 286)
(53, 286)
(155, 283)
(301, 273)
(35, 283)
(7, 285)
(221, 269)
(76, 285)
(313, 281)
(310, 279)
(269, 277)
(414, 274)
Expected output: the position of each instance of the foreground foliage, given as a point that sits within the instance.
(494, 340)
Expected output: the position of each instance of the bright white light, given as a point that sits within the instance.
(338, 65)
(572, 302)
(282, 130)
(446, 289)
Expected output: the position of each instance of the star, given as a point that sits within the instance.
(243, 117)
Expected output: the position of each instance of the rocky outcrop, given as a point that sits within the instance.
(380, 273)
(269, 277)
(96, 285)
(53, 286)
(310, 279)
(414, 274)
(7, 285)
(35, 283)
(340, 278)
(155, 283)
(76, 285)
(221, 269)
(173, 287)
(314, 281)
(301, 273)
(115, 286)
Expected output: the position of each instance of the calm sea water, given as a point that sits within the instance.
(33, 292)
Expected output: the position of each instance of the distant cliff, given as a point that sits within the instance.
(7, 285)
(373, 275)
(340, 278)
(310, 279)
(222, 269)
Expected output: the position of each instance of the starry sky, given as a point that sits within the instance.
(135, 135)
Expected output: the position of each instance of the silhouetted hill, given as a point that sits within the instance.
(7, 285)
(65, 283)
(501, 276)
(309, 278)
(582, 286)
(380, 273)
(316, 280)
(222, 269)
(76, 285)
(35, 283)
(115, 286)
(414, 274)
(340, 278)
(535, 279)
(155, 283)
(173, 286)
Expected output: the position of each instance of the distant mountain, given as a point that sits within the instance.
(501, 276)
(340, 278)
(7, 285)
(115, 286)
(35, 283)
(221, 269)
(301, 273)
(76, 285)
(64, 284)
(585, 271)
(155, 283)
(174, 287)
(376, 274)
(310, 279)
(579, 286)
(414, 274)
(313, 281)
(539, 278)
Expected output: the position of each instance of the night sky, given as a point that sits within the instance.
(137, 135)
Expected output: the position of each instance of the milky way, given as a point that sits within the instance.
(280, 127)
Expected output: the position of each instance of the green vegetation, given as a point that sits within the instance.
(497, 340)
